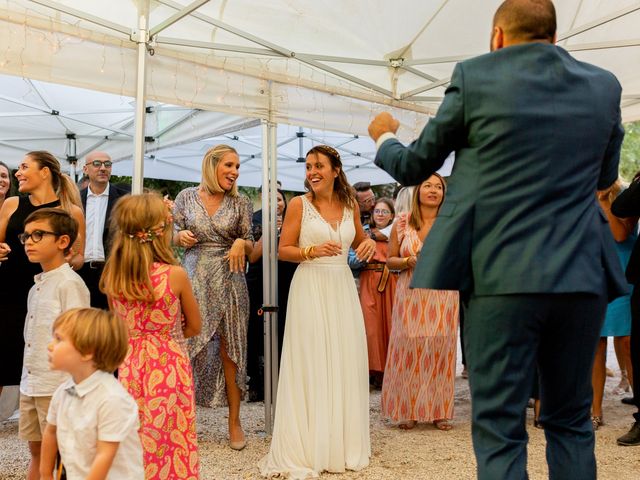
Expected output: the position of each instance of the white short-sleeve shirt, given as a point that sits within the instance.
(98, 408)
(53, 293)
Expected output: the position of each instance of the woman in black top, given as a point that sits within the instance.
(40, 178)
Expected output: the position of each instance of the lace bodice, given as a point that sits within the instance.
(315, 230)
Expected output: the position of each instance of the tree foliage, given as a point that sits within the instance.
(630, 154)
(173, 187)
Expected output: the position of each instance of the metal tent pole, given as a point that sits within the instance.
(71, 156)
(265, 284)
(141, 37)
(269, 270)
(273, 259)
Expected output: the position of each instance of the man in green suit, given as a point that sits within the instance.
(520, 233)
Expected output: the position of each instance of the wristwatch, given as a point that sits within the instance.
(372, 235)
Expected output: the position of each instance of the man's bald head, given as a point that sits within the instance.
(526, 20)
(97, 167)
(96, 155)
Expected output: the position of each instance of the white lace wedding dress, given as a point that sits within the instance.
(322, 411)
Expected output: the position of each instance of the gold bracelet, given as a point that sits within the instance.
(312, 251)
(405, 262)
(305, 252)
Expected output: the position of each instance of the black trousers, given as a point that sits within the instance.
(506, 336)
(91, 273)
(635, 348)
(255, 339)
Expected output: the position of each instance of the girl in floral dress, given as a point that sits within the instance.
(153, 296)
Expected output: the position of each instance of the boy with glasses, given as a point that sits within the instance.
(47, 239)
(98, 198)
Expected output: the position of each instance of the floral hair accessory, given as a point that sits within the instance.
(148, 234)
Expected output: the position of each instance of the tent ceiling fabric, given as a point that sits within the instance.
(350, 60)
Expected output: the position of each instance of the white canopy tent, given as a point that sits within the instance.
(70, 122)
(328, 65)
(177, 137)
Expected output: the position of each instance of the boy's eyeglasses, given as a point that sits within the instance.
(381, 211)
(98, 163)
(36, 236)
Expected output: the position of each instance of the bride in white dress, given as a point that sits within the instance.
(322, 411)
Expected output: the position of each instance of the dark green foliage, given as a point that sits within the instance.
(630, 156)
(172, 187)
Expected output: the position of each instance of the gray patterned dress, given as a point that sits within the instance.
(222, 296)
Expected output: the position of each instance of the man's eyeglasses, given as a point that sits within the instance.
(381, 211)
(36, 236)
(98, 163)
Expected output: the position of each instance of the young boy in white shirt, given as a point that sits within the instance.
(48, 236)
(92, 419)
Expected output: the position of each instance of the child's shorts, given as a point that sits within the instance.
(33, 417)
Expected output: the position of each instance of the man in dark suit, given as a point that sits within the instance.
(520, 234)
(628, 205)
(98, 198)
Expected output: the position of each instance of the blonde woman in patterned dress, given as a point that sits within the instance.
(213, 223)
(421, 361)
(153, 297)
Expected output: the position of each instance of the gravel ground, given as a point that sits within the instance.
(421, 453)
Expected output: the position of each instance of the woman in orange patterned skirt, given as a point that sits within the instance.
(421, 361)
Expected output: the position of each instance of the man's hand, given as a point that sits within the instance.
(383, 123)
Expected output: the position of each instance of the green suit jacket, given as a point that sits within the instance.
(535, 133)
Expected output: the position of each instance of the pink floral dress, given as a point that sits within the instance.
(157, 374)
